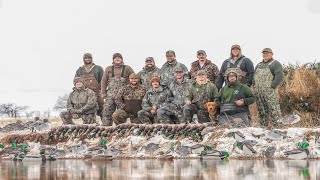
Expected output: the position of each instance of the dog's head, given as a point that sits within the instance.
(211, 107)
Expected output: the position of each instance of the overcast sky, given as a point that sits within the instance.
(42, 42)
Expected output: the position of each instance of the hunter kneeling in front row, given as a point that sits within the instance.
(128, 100)
(82, 103)
(199, 93)
(234, 100)
(154, 99)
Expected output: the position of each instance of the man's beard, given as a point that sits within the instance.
(232, 83)
(87, 62)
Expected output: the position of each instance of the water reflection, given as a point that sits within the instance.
(155, 169)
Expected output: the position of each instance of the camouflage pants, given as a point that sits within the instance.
(146, 117)
(87, 118)
(120, 116)
(235, 120)
(190, 110)
(109, 108)
(165, 114)
(267, 104)
(100, 103)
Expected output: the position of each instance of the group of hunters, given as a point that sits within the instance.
(172, 94)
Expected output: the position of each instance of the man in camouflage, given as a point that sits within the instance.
(268, 76)
(172, 111)
(236, 63)
(128, 100)
(150, 70)
(168, 69)
(204, 64)
(91, 75)
(199, 93)
(234, 100)
(114, 77)
(82, 103)
(154, 99)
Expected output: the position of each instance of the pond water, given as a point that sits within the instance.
(157, 169)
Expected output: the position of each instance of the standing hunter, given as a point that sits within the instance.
(172, 111)
(91, 75)
(238, 63)
(167, 71)
(199, 93)
(204, 64)
(114, 77)
(82, 103)
(149, 70)
(267, 78)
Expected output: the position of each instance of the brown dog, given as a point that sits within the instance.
(212, 108)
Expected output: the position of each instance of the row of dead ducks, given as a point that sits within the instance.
(36, 125)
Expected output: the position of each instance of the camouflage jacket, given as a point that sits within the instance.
(128, 94)
(201, 94)
(178, 91)
(211, 69)
(155, 98)
(114, 77)
(167, 72)
(84, 99)
(92, 77)
(146, 74)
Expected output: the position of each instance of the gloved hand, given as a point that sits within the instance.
(154, 110)
(240, 102)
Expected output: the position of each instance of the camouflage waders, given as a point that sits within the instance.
(170, 113)
(91, 83)
(120, 116)
(190, 110)
(87, 118)
(266, 97)
(241, 75)
(146, 117)
(109, 106)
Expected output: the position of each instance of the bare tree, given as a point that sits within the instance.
(12, 110)
(61, 103)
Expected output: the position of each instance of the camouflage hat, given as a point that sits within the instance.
(267, 50)
(134, 76)
(236, 46)
(87, 55)
(170, 52)
(201, 52)
(156, 79)
(149, 59)
(77, 79)
(201, 72)
(232, 74)
(117, 55)
(178, 69)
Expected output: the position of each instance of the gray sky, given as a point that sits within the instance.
(42, 42)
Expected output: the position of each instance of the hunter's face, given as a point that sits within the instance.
(267, 55)
(87, 60)
(79, 85)
(134, 81)
(170, 58)
(179, 75)
(201, 77)
(117, 60)
(149, 63)
(202, 57)
(235, 52)
(155, 84)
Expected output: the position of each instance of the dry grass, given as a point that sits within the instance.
(300, 91)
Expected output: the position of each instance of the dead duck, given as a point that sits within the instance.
(215, 154)
(237, 135)
(290, 119)
(269, 152)
(246, 147)
(151, 148)
(182, 150)
(276, 135)
(297, 154)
